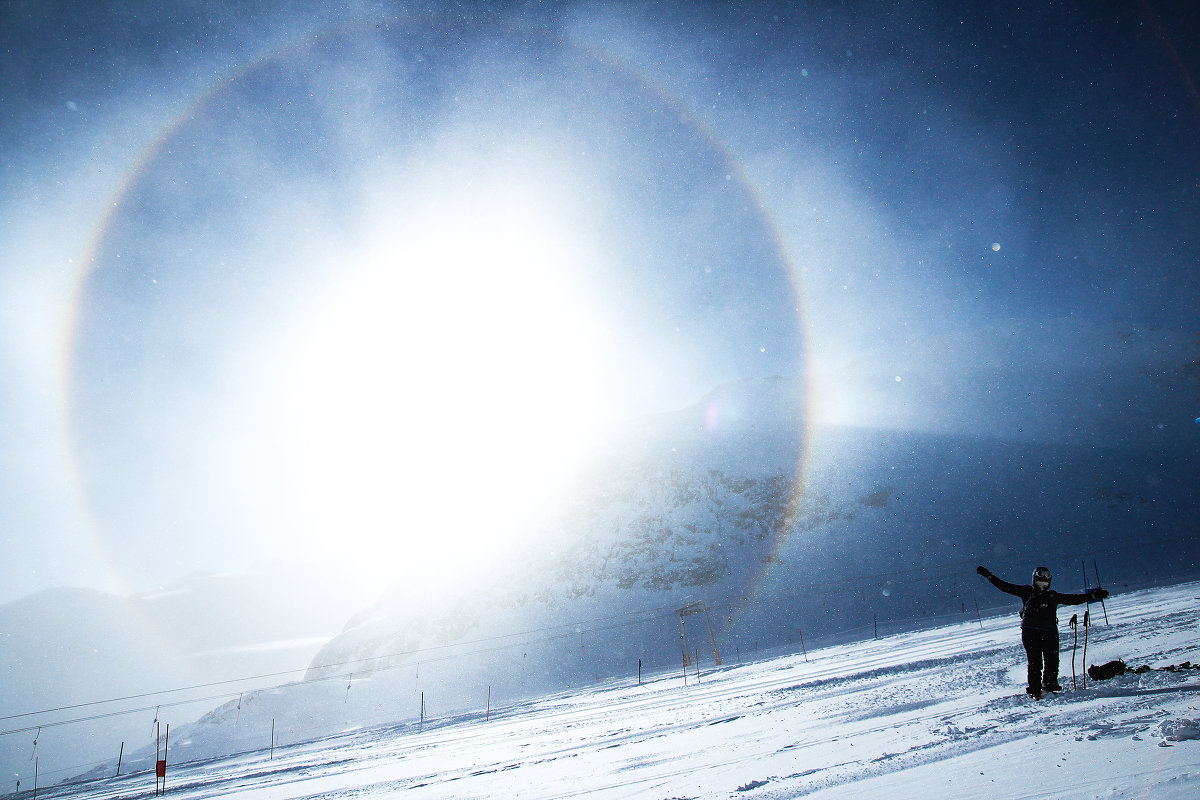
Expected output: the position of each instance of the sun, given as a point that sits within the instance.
(446, 390)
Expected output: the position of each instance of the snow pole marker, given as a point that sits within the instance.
(166, 747)
(120, 756)
(1086, 624)
(272, 756)
(35, 777)
(803, 649)
(160, 761)
(1102, 608)
(1075, 630)
(488, 716)
(978, 618)
(160, 766)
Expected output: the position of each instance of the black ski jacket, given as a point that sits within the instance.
(1040, 610)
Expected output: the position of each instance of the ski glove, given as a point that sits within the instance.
(983, 571)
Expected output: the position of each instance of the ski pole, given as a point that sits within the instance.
(1098, 584)
(1086, 621)
(1083, 564)
(1074, 647)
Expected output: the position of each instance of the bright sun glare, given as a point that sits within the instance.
(446, 391)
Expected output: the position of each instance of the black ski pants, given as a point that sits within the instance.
(1041, 648)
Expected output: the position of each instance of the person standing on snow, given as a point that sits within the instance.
(1039, 624)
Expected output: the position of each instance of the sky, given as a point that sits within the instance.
(262, 266)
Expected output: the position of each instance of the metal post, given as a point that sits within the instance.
(711, 638)
(683, 635)
(803, 649)
(120, 756)
(160, 766)
(1083, 565)
(1102, 607)
(166, 747)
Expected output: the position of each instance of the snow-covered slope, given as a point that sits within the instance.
(933, 713)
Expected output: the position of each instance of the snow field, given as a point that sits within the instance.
(936, 711)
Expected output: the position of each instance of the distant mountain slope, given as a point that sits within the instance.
(684, 506)
(73, 647)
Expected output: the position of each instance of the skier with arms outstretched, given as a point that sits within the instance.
(1039, 624)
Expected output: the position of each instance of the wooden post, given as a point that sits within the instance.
(697, 666)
